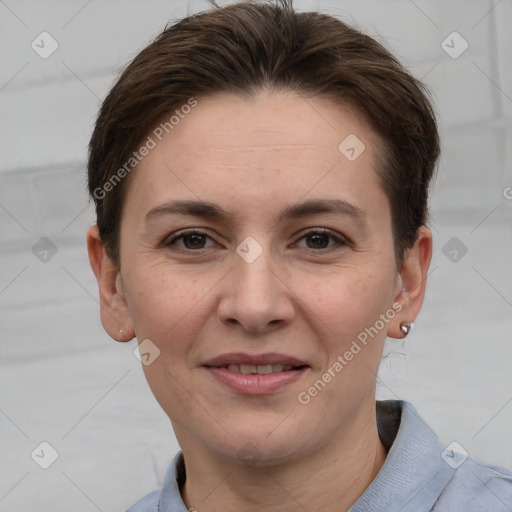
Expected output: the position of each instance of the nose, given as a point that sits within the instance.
(255, 295)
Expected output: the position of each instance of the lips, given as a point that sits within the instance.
(242, 359)
(262, 374)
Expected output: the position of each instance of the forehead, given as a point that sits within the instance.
(278, 145)
(269, 121)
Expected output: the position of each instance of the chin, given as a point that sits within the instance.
(260, 445)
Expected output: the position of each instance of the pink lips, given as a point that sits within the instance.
(256, 383)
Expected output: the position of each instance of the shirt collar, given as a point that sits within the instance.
(414, 474)
(170, 496)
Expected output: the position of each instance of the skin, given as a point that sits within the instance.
(303, 296)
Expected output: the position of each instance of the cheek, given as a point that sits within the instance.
(346, 310)
(345, 303)
(166, 304)
(168, 307)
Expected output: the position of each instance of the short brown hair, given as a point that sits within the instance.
(243, 48)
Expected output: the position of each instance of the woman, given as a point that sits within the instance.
(261, 181)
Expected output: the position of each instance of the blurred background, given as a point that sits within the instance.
(64, 382)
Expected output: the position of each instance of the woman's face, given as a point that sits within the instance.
(292, 261)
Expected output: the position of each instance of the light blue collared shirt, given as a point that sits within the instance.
(419, 475)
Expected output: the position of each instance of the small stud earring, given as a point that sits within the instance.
(405, 327)
(121, 331)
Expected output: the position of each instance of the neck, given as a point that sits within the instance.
(330, 479)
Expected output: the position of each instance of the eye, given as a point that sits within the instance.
(195, 239)
(192, 239)
(319, 238)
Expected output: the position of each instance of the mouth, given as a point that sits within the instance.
(262, 369)
(264, 374)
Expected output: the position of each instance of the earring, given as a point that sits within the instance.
(121, 331)
(405, 327)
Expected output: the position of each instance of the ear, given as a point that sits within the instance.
(114, 313)
(412, 279)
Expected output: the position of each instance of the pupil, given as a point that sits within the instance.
(196, 240)
(317, 238)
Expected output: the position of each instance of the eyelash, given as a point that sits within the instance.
(340, 241)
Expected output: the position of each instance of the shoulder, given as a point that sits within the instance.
(476, 486)
(469, 485)
(419, 474)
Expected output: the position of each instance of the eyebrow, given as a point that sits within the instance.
(213, 211)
